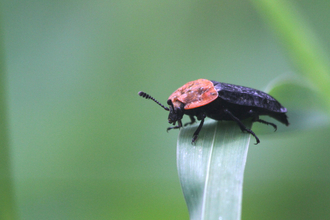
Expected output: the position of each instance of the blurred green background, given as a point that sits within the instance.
(82, 144)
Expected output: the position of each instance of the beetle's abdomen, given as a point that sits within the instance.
(245, 96)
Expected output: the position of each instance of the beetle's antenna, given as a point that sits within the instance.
(146, 96)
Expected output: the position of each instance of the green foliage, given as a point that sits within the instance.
(211, 171)
(300, 42)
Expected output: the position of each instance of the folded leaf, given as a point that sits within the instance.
(211, 171)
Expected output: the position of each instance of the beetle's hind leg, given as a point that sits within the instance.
(265, 122)
(241, 125)
(192, 120)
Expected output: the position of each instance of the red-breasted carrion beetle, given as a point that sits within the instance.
(220, 101)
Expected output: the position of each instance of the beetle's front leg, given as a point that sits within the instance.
(192, 120)
(175, 127)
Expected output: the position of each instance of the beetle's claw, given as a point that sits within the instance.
(258, 141)
(194, 139)
(170, 128)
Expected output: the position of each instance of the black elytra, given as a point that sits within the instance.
(220, 101)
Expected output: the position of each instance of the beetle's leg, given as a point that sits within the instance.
(192, 118)
(175, 127)
(195, 135)
(265, 122)
(241, 125)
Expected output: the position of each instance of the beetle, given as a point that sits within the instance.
(220, 101)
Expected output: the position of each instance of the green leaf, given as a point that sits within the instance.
(211, 171)
(301, 43)
(306, 109)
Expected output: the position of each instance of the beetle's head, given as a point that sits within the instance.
(176, 112)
